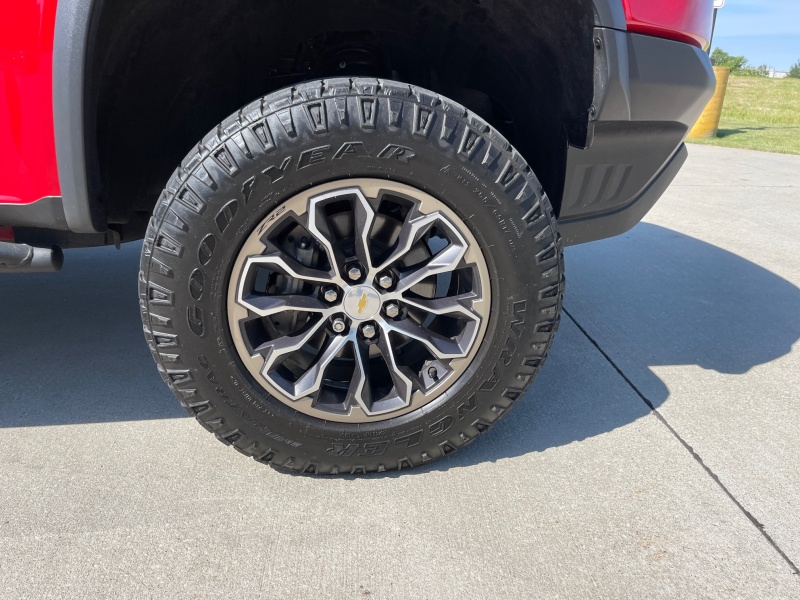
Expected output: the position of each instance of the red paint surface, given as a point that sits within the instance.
(28, 168)
(682, 20)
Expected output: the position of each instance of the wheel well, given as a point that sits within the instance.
(162, 74)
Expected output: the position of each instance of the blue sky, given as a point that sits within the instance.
(767, 32)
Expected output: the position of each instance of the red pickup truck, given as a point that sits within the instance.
(353, 211)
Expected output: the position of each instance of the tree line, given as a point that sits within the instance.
(739, 65)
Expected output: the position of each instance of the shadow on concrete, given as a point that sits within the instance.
(73, 352)
(72, 348)
(650, 297)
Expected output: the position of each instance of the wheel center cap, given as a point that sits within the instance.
(361, 303)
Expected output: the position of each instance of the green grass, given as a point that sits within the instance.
(760, 114)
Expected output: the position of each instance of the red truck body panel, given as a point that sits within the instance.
(28, 169)
(687, 21)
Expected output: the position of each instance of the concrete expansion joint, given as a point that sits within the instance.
(758, 525)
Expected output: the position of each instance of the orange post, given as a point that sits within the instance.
(708, 123)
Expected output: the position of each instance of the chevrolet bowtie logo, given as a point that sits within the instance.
(362, 303)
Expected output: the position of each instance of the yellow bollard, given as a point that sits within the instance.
(708, 123)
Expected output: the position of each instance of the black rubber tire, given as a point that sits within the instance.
(284, 143)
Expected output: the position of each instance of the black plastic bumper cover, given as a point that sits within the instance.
(649, 92)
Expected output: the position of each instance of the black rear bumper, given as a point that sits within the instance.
(648, 94)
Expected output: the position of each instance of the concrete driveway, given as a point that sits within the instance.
(657, 456)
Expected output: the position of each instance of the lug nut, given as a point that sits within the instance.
(331, 294)
(354, 272)
(385, 281)
(368, 330)
(338, 325)
(392, 310)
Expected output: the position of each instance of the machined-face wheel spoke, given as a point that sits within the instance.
(310, 381)
(359, 391)
(403, 386)
(367, 302)
(264, 306)
(444, 261)
(363, 218)
(319, 228)
(274, 349)
(291, 267)
(460, 306)
(440, 346)
(413, 229)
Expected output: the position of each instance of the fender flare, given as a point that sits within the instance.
(609, 13)
(74, 20)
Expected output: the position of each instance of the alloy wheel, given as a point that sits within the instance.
(359, 300)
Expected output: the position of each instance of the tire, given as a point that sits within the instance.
(313, 134)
